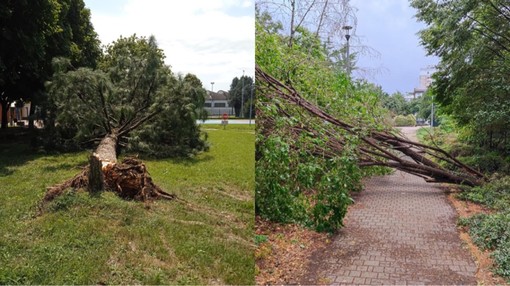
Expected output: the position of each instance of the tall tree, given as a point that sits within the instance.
(396, 103)
(33, 33)
(74, 38)
(239, 93)
(325, 18)
(472, 40)
(24, 28)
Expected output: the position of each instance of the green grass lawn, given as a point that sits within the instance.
(205, 237)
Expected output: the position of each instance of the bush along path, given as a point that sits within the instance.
(401, 230)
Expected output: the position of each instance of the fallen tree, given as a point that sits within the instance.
(126, 102)
(377, 148)
(128, 179)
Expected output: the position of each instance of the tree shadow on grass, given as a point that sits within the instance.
(15, 155)
(16, 150)
(62, 166)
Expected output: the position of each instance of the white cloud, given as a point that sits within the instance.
(210, 38)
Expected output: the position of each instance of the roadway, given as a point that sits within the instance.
(231, 121)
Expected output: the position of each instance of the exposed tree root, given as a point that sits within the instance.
(129, 180)
(77, 182)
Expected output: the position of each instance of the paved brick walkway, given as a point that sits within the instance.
(401, 230)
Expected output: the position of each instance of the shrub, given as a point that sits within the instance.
(303, 188)
(492, 232)
(408, 120)
(502, 258)
(274, 197)
(489, 231)
(495, 194)
(488, 161)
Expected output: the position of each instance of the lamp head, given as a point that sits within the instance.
(347, 30)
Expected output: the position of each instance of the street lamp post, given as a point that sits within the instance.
(212, 98)
(251, 101)
(432, 115)
(348, 61)
(242, 95)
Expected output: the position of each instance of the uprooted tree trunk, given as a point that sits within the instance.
(377, 148)
(128, 179)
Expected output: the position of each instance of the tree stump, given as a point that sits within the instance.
(95, 176)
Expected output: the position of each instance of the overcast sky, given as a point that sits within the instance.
(213, 39)
(389, 27)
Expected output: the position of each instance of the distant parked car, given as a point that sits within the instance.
(420, 122)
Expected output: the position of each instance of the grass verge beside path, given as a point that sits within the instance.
(79, 239)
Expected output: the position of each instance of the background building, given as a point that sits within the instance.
(17, 115)
(425, 81)
(217, 103)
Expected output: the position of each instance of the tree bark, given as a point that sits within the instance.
(31, 116)
(102, 159)
(5, 108)
(96, 177)
(292, 16)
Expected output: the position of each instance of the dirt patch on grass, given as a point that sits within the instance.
(284, 256)
(233, 193)
(484, 274)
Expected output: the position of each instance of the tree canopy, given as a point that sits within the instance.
(33, 33)
(472, 40)
(25, 26)
(132, 95)
(239, 95)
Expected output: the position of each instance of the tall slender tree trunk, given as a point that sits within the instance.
(292, 16)
(5, 109)
(31, 116)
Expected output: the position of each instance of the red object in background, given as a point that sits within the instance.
(225, 116)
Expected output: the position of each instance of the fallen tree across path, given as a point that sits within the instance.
(376, 148)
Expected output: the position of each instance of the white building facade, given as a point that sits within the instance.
(217, 103)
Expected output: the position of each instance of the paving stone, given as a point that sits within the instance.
(369, 275)
(344, 279)
(354, 273)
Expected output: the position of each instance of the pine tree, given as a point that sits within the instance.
(131, 98)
